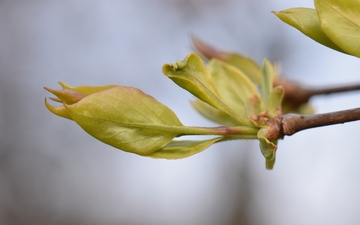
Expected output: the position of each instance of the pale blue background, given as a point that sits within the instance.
(51, 172)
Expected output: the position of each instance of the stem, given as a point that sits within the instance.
(240, 131)
(331, 90)
(292, 123)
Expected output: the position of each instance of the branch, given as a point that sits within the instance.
(292, 123)
(331, 90)
(296, 95)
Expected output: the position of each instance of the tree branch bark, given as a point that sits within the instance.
(293, 123)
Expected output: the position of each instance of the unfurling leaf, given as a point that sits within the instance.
(246, 65)
(275, 101)
(71, 95)
(234, 87)
(126, 118)
(255, 73)
(236, 90)
(267, 81)
(192, 75)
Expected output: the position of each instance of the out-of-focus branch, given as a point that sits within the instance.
(331, 90)
(295, 94)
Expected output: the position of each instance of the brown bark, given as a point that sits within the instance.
(293, 123)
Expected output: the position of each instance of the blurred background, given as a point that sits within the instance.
(52, 172)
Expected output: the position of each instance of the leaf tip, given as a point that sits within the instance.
(275, 12)
(57, 110)
(269, 164)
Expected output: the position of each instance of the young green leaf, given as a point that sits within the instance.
(214, 114)
(267, 82)
(71, 95)
(306, 21)
(235, 88)
(183, 148)
(248, 66)
(340, 20)
(86, 90)
(254, 106)
(126, 118)
(63, 96)
(275, 101)
(192, 75)
(58, 110)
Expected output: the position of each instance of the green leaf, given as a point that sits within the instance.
(126, 118)
(267, 81)
(214, 114)
(248, 66)
(235, 88)
(340, 20)
(275, 101)
(254, 106)
(269, 163)
(192, 75)
(58, 110)
(306, 21)
(86, 90)
(183, 148)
